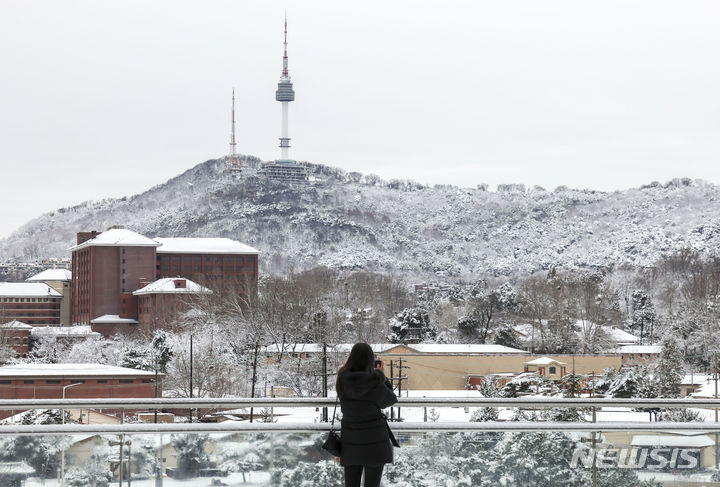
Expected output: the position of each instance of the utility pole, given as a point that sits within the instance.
(254, 376)
(324, 380)
(191, 374)
(400, 386)
(392, 383)
(715, 376)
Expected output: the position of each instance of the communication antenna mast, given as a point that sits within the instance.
(233, 161)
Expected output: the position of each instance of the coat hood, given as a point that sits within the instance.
(358, 384)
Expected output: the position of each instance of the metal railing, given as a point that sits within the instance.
(304, 402)
(595, 404)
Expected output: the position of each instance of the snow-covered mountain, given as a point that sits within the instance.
(351, 221)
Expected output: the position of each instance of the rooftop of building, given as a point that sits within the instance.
(423, 348)
(200, 245)
(27, 290)
(122, 237)
(16, 325)
(52, 275)
(172, 285)
(117, 237)
(70, 370)
(639, 349)
(112, 320)
(76, 331)
(544, 361)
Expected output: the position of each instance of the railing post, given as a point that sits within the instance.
(594, 447)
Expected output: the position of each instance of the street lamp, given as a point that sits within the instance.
(62, 414)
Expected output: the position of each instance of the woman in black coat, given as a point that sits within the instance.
(366, 438)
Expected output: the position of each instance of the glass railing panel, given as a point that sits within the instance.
(643, 458)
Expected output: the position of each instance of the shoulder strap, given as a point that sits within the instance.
(332, 424)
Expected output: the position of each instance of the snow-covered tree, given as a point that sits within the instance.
(669, 369)
(191, 454)
(412, 325)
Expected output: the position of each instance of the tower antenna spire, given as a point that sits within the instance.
(285, 56)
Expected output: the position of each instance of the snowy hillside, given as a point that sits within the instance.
(350, 221)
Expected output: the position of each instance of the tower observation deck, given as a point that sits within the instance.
(284, 168)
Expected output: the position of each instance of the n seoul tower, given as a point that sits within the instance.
(285, 94)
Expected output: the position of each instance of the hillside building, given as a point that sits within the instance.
(33, 303)
(109, 267)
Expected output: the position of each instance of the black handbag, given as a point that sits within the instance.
(333, 444)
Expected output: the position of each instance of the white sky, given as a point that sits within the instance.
(108, 98)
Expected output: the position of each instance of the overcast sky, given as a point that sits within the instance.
(108, 98)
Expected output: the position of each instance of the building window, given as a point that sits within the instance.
(17, 340)
(553, 370)
(5, 382)
(147, 381)
(28, 381)
(52, 381)
(102, 381)
(126, 381)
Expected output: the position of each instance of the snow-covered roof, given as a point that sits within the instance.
(111, 319)
(639, 349)
(16, 468)
(117, 237)
(186, 245)
(438, 348)
(464, 348)
(16, 325)
(316, 347)
(544, 361)
(167, 285)
(76, 331)
(671, 441)
(52, 275)
(69, 370)
(27, 289)
(620, 336)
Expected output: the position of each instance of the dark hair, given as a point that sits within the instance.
(361, 359)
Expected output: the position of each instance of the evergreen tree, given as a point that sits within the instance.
(669, 371)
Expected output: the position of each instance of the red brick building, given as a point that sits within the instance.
(160, 302)
(220, 264)
(46, 381)
(16, 335)
(33, 303)
(108, 267)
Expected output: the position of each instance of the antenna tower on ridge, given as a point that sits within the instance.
(233, 161)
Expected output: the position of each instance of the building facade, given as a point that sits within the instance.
(61, 281)
(33, 303)
(109, 267)
(160, 303)
(77, 381)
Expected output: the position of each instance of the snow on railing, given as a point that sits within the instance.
(304, 402)
(403, 427)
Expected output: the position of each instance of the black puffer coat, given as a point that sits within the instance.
(364, 432)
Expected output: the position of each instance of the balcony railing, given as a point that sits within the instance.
(278, 449)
